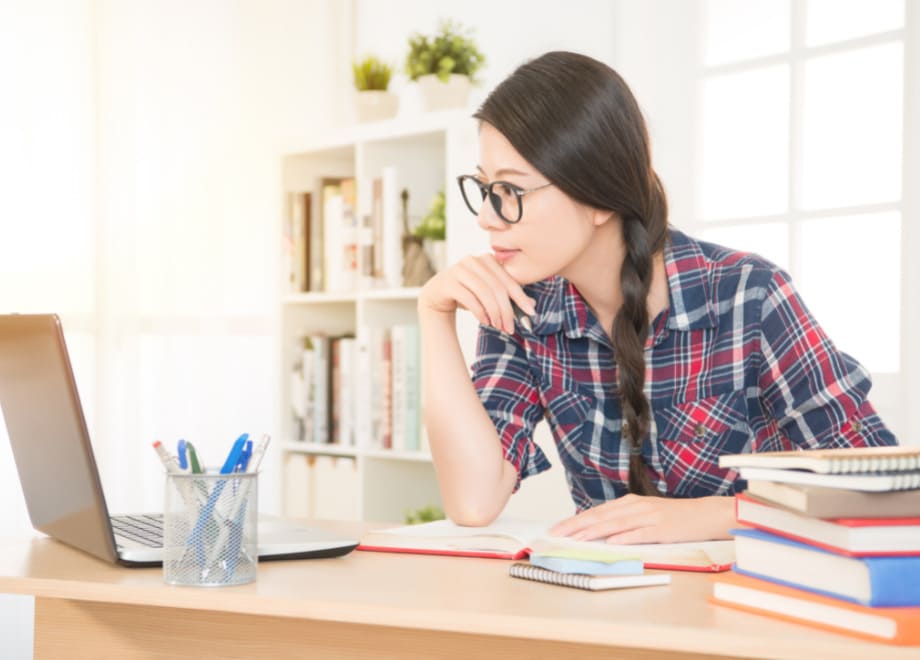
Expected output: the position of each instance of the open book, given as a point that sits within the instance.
(508, 538)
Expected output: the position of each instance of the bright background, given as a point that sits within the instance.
(139, 180)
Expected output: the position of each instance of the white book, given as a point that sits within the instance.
(363, 389)
(347, 349)
(333, 238)
(392, 228)
(400, 401)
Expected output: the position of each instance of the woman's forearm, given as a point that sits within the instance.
(474, 477)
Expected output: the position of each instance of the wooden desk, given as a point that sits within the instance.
(374, 605)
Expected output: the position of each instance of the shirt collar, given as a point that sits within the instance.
(561, 307)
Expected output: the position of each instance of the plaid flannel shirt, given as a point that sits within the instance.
(736, 364)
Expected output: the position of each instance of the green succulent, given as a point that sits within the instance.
(434, 224)
(427, 514)
(371, 74)
(450, 50)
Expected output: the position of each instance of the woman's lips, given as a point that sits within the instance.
(503, 254)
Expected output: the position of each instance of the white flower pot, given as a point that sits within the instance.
(438, 95)
(374, 105)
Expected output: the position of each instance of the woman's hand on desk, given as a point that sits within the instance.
(641, 519)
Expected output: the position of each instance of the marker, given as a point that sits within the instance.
(193, 458)
(522, 317)
(168, 461)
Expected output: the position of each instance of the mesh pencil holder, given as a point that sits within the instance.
(210, 525)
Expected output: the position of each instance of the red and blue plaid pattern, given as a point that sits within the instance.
(736, 364)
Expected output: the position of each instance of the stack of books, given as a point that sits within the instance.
(831, 538)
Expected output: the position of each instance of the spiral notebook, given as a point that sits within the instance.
(851, 460)
(587, 582)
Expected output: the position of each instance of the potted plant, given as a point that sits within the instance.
(372, 78)
(433, 231)
(444, 65)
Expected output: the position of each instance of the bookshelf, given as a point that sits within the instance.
(361, 479)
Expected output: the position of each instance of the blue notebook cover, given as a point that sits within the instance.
(893, 581)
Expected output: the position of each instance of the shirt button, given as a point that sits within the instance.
(700, 431)
(856, 425)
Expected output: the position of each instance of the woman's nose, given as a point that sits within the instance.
(488, 219)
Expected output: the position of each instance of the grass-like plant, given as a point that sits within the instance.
(371, 74)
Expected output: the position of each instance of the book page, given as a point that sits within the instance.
(696, 554)
(522, 531)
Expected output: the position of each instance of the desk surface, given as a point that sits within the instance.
(461, 595)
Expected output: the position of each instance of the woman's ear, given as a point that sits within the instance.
(603, 216)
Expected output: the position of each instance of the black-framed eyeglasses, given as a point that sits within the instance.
(505, 197)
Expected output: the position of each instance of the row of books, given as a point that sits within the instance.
(830, 538)
(363, 392)
(328, 245)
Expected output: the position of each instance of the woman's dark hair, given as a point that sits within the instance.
(576, 121)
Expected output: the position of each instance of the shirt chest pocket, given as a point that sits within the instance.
(567, 411)
(692, 436)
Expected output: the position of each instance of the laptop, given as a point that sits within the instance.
(57, 469)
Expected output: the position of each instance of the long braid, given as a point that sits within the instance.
(630, 330)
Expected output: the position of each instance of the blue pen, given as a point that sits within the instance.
(233, 459)
(181, 450)
(245, 455)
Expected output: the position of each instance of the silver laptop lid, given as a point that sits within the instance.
(48, 435)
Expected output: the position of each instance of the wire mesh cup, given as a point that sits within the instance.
(210, 529)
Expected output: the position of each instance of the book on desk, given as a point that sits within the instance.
(514, 539)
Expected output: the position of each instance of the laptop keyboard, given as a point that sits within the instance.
(145, 529)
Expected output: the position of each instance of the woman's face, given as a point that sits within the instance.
(554, 230)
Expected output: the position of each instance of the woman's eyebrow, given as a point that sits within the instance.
(504, 171)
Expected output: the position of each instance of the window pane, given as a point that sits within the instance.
(852, 128)
(769, 240)
(851, 281)
(742, 29)
(836, 20)
(745, 144)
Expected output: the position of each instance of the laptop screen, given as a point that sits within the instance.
(48, 434)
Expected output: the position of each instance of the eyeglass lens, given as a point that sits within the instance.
(503, 198)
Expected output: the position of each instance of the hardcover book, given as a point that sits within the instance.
(892, 625)
(515, 539)
(820, 502)
(853, 536)
(872, 581)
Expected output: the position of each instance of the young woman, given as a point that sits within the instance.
(649, 353)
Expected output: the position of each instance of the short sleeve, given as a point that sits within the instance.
(816, 394)
(510, 394)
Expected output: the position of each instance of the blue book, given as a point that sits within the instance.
(872, 581)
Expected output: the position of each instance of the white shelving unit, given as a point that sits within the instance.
(427, 151)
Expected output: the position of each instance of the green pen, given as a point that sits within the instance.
(193, 458)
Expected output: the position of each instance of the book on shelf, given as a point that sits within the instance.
(893, 625)
(820, 502)
(889, 581)
(849, 460)
(585, 581)
(509, 538)
(295, 247)
(392, 227)
(340, 235)
(851, 535)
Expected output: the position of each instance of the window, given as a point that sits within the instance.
(801, 134)
(802, 124)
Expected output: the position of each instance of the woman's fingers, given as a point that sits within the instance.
(489, 288)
